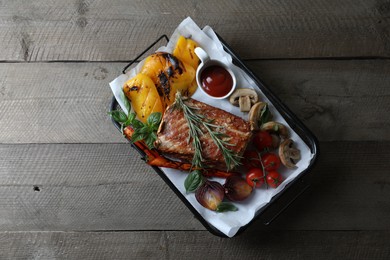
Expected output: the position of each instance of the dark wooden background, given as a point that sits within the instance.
(72, 188)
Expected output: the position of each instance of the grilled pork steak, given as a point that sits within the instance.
(173, 135)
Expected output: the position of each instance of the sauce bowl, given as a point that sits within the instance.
(214, 78)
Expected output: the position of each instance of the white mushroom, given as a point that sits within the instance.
(275, 127)
(254, 115)
(244, 98)
(289, 155)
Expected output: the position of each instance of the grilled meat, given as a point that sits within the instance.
(173, 135)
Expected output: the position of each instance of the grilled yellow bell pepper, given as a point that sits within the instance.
(143, 95)
(192, 88)
(185, 51)
(169, 74)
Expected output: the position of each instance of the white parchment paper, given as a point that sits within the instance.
(227, 222)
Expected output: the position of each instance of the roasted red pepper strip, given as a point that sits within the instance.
(153, 158)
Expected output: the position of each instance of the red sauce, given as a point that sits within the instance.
(216, 81)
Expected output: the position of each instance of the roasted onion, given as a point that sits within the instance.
(210, 194)
(237, 189)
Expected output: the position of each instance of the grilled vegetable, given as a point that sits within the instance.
(185, 51)
(169, 74)
(142, 93)
(153, 158)
(210, 195)
(237, 189)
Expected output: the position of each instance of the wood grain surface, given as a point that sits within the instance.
(184, 245)
(103, 30)
(71, 187)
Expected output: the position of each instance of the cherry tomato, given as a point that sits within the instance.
(255, 177)
(262, 140)
(250, 160)
(274, 179)
(271, 161)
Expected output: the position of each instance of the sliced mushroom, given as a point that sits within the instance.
(289, 155)
(275, 127)
(244, 98)
(255, 114)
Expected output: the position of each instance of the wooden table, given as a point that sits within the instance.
(72, 188)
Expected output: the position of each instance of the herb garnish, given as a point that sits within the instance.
(193, 181)
(226, 206)
(195, 121)
(265, 115)
(142, 131)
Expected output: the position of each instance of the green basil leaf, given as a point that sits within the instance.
(265, 115)
(118, 116)
(193, 181)
(154, 128)
(130, 119)
(137, 136)
(125, 101)
(144, 129)
(137, 124)
(149, 141)
(226, 206)
(154, 135)
(154, 119)
(150, 138)
(131, 116)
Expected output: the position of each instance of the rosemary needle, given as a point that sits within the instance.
(195, 121)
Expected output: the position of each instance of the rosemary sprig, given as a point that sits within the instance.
(195, 121)
(231, 158)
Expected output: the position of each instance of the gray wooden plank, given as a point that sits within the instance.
(107, 187)
(184, 245)
(106, 31)
(68, 102)
(57, 102)
(84, 187)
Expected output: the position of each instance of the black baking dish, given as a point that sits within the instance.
(295, 188)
